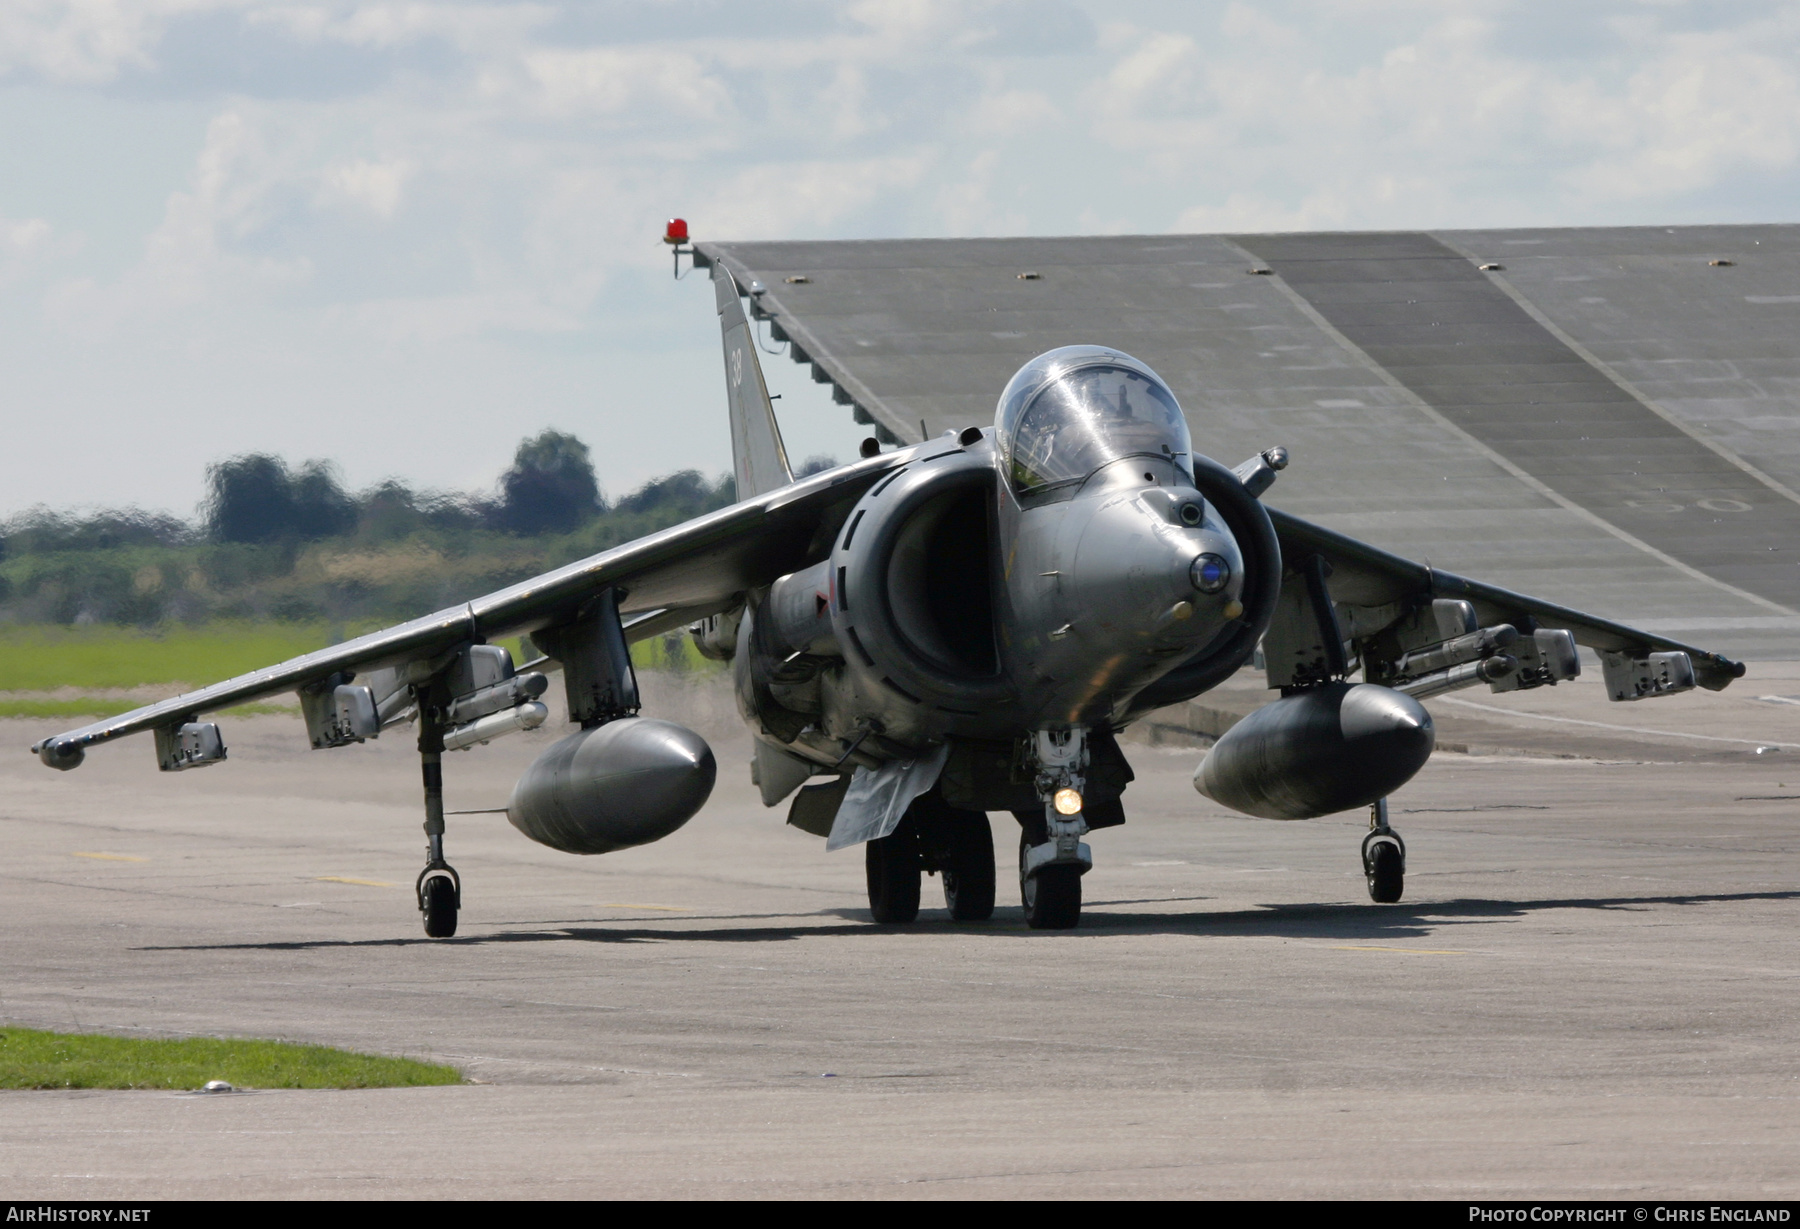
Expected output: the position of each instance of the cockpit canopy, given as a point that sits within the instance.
(1070, 411)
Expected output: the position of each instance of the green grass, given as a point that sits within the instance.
(41, 658)
(101, 706)
(30, 1058)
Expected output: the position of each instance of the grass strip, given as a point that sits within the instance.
(41, 658)
(31, 1058)
(100, 706)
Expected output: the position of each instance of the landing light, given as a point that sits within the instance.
(1068, 802)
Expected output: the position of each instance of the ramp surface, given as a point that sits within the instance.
(1587, 992)
(1610, 418)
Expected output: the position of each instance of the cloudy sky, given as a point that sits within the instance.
(403, 235)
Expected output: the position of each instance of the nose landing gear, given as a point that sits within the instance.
(1383, 857)
(1052, 855)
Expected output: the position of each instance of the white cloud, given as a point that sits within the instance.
(471, 27)
(650, 82)
(1445, 121)
(83, 42)
(25, 236)
(1705, 107)
(450, 318)
(374, 186)
(30, 245)
(797, 199)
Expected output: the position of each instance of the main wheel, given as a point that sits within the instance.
(969, 879)
(440, 907)
(893, 866)
(1387, 873)
(1052, 897)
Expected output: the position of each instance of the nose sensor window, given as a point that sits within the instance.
(1210, 573)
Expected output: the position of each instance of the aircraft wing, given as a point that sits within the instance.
(1370, 587)
(666, 579)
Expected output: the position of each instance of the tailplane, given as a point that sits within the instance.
(758, 456)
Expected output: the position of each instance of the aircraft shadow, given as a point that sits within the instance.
(1342, 920)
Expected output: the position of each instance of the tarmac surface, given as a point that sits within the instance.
(1588, 991)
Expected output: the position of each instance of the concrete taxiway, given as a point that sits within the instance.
(1588, 991)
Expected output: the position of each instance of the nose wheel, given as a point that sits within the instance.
(1051, 894)
(1383, 857)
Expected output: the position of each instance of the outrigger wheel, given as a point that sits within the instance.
(1383, 857)
(440, 893)
(1386, 873)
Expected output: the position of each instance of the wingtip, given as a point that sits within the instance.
(59, 755)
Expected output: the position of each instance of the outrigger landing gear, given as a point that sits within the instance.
(439, 886)
(1052, 856)
(1383, 857)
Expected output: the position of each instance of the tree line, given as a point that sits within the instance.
(282, 541)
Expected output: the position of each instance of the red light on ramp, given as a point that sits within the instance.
(676, 232)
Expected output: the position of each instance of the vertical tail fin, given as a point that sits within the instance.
(757, 454)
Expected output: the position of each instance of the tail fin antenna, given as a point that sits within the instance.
(758, 456)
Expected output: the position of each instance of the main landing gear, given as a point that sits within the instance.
(1383, 857)
(938, 838)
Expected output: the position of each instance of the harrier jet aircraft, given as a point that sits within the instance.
(957, 626)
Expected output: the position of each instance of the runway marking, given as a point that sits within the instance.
(109, 857)
(1169, 862)
(1411, 951)
(662, 908)
(361, 883)
(1607, 725)
(1489, 806)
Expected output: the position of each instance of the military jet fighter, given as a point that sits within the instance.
(955, 627)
